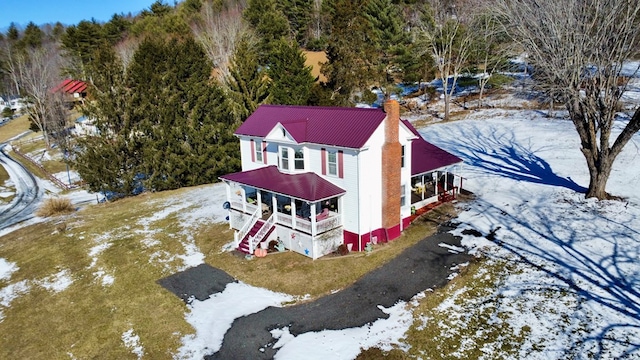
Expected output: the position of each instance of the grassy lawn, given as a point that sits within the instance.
(115, 252)
(4, 176)
(14, 127)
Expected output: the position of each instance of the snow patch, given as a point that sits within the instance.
(213, 317)
(57, 282)
(132, 341)
(347, 343)
(6, 269)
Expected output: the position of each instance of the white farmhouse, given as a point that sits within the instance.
(314, 178)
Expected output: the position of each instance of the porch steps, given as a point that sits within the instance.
(243, 247)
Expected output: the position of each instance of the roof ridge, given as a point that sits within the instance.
(322, 107)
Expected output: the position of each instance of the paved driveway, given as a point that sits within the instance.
(425, 265)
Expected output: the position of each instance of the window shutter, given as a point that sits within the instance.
(253, 151)
(340, 164)
(264, 152)
(323, 153)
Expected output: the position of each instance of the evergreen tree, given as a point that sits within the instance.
(13, 34)
(388, 38)
(164, 125)
(291, 79)
(298, 14)
(79, 43)
(110, 159)
(32, 37)
(247, 83)
(269, 23)
(350, 52)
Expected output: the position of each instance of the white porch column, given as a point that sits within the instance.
(446, 183)
(313, 219)
(293, 213)
(244, 199)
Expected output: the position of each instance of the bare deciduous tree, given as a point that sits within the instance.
(39, 71)
(489, 47)
(447, 40)
(577, 48)
(218, 31)
(125, 50)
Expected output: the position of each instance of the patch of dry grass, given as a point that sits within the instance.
(315, 59)
(14, 127)
(87, 319)
(4, 176)
(55, 206)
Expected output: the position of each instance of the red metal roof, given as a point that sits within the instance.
(305, 186)
(71, 86)
(426, 157)
(335, 126)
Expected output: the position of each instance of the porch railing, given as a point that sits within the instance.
(304, 225)
(247, 227)
(259, 236)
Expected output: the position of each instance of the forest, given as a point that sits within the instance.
(168, 86)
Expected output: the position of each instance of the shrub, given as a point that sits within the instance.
(55, 206)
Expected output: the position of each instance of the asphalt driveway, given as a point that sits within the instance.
(425, 265)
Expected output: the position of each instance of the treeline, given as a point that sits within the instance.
(169, 86)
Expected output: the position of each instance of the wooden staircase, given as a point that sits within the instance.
(243, 247)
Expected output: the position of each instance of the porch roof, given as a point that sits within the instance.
(305, 186)
(426, 157)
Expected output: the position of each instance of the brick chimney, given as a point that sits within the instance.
(391, 168)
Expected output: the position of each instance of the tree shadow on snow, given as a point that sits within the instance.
(503, 155)
(605, 275)
(594, 254)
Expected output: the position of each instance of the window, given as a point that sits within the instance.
(298, 161)
(284, 158)
(332, 162)
(403, 190)
(258, 150)
(402, 158)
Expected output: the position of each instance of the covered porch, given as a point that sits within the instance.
(433, 186)
(303, 208)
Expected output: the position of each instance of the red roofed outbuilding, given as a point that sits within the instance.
(74, 90)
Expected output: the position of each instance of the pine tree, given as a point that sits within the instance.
(350, 52)
(164, 125)
(247, 84)
(298, 13)
(269, 23)
(291, 79)
(388, 38)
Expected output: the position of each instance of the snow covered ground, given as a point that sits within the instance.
(577, 288)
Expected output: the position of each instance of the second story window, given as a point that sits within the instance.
(258, 150)
(402, 158)
(332, 163)
(284, 158)
(299, 160)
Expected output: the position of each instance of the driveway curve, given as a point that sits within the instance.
(28, 192)
(425, 265)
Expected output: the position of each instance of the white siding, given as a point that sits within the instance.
(370, 183)
(405, 177)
